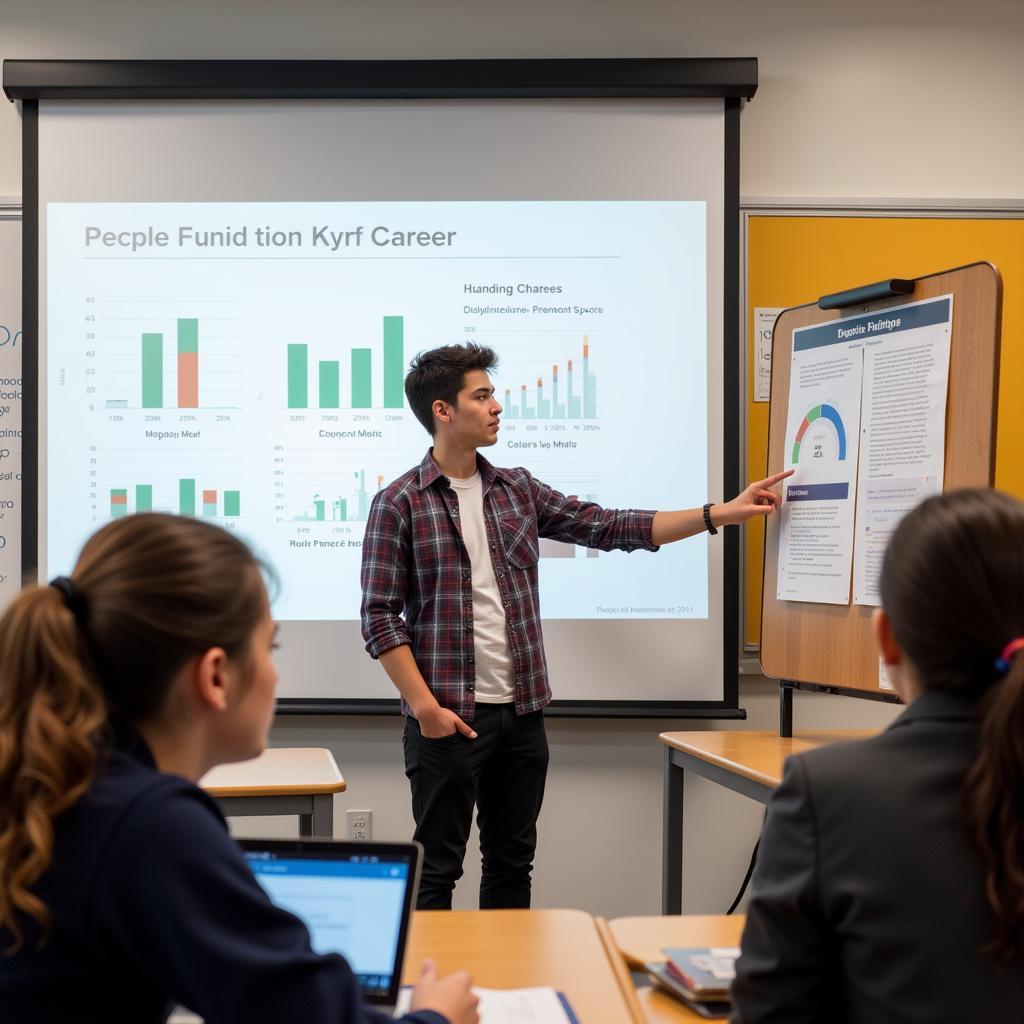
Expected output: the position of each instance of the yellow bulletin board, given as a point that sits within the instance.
(794, 259)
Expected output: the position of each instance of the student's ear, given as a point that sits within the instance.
(442, 411)
(210, 677)
(888, 650)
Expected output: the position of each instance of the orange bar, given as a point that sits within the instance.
(209, 497)
(188, 380)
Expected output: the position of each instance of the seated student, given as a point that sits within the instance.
(121, 891)
(890, 885)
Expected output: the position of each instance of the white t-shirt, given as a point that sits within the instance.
(491, 653)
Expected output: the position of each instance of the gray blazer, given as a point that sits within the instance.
(867, 902)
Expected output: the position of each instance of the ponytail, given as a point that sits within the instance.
(993, 795)
(52, 715)
(952, 586)
(149, 593)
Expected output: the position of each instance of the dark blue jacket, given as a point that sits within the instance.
(152, 904)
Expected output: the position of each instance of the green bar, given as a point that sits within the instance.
(143, 497)
(232, 503)
(330, 388)
(361, 378)
(152, 371)
(343, 510)
(298, 376)
(394, 362)
(320, 507)
(187, 497)
(188, 335)
(118, 503)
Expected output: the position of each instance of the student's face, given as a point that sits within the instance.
(474, 417)
(247, 722)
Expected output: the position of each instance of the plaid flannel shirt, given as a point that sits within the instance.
(414, 563)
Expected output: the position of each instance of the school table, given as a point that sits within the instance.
(747, 762)
(282, 780)
(567, 950)
(642, 939)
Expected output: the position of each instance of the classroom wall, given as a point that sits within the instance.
(917, 100)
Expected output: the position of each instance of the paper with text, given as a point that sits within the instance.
(903, 440)
(822, 435)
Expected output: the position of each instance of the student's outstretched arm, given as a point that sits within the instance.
(757, 500)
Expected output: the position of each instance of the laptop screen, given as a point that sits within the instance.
(355, 899)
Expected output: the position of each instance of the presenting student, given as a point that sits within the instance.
(121, 891)
(452, 545)
(890, 884)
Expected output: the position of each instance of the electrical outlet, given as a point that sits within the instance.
(360, 824)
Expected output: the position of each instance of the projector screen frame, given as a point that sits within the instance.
(731, 79)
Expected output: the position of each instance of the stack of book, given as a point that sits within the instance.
(700, 978)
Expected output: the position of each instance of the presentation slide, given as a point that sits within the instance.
(244, 363)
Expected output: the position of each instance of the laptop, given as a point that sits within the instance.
(355, 898)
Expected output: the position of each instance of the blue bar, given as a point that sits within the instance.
(872, 325)
(817, 492)
(385, 869)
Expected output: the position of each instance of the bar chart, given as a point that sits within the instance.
(203, 483)
(354, 507)
(359, 382)
(229, 505)
(334, 485)
(190, 363)
(571, 396)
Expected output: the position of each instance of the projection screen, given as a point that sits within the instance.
(230, 291)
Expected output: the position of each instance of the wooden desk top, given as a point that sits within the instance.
(281, 771)
(758, 756)
(520, 949)
(642, 938)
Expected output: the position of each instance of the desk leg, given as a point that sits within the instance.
(321, 821)
(672, 838)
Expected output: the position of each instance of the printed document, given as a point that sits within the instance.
(822, 435)
(512, 1006)
(866, 434)
(903, 419)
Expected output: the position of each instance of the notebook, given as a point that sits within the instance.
(355, 898)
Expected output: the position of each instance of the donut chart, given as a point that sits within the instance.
(825, 412)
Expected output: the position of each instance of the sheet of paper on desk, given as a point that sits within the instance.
(512, 1006)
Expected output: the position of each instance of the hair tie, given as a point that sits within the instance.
(1004, 659)
(73, 599)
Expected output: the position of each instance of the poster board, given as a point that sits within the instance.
(831, 644)
(793, 258)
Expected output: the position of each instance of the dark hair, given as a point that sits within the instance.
(438, 375)
(953, 588)
(149, 593)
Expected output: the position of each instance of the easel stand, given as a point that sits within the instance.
(788, 686)
(832, 644)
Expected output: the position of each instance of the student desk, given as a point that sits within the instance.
(523, 949)
(640, 939)
(746, 762)
(283, 780)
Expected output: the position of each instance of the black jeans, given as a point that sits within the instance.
(502, 771)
